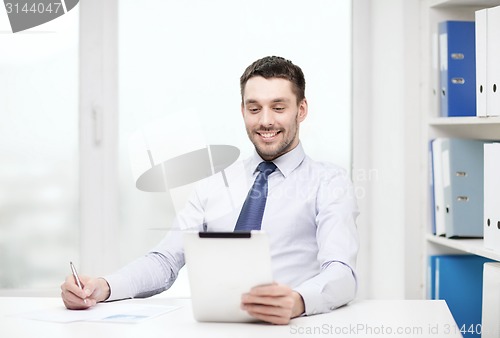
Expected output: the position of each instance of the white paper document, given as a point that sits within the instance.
(118, 312)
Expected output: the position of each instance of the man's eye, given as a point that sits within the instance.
(253, 110)
(279, 108)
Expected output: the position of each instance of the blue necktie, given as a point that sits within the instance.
(253, 209)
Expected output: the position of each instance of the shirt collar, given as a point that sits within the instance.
(286, 163)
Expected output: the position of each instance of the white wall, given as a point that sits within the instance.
(177, 55)
(385, 138)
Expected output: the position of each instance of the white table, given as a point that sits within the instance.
(372, 318)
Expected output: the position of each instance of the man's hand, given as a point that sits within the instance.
(94, 290)
(273, 303)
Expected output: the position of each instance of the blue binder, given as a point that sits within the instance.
(463, 184)
(458, 279)
(431, 277)
(457, 59)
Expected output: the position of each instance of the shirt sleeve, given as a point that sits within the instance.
(158, 269)
(338, 245)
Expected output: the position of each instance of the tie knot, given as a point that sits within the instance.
(266, 167)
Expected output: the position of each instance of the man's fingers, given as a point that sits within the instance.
(285, 302)
(268, 314)
(70, 286)
(263, 309)
(271, 319)
(75, 298)
(89, 287)
(71, 301)
(273, 303)
(273, 290)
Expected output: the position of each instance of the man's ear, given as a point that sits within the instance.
(242, 109)
(302, 113)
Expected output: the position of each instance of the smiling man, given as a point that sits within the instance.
(272, 114)
(309, 215)
(325, 247)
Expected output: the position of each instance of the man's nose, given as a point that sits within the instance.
(267, 117)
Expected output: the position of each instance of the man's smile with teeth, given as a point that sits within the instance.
(268, 134)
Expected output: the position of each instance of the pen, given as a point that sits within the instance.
(75, 275)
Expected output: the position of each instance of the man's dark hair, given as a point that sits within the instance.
(276, 67)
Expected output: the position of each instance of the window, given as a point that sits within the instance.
(38, 153)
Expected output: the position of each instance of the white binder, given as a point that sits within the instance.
(490, 327)
(487, 62)
(491, 223)
(493, 62)
(481, 61)
(439, 207)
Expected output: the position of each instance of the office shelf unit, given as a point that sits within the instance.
(486, 128)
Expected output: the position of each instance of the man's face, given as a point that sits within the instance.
(272, 116)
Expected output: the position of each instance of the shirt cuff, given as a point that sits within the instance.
(313, 299)
(119, 287)
(334, 287)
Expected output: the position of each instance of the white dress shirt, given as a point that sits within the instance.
(309, 218)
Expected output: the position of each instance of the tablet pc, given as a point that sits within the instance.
(221, 267)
